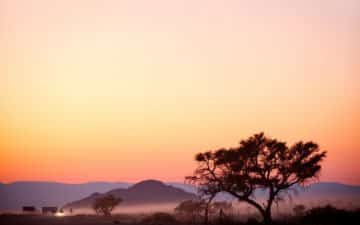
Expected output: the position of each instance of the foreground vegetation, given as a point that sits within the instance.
(327, 215)
(258, 163)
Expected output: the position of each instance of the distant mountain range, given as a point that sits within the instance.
(15, 195)
(149, 192)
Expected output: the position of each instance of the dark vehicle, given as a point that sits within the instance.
(29, 209)
(49, 210)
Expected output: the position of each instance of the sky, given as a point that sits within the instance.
(94, 90)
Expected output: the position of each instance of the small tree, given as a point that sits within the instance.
(258, 163)
(191, 209)
(221, 205)
(105, 205)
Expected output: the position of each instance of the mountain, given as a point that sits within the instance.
(15, 195)
(155, 192)
(143, 193)
(341, 195)
(336, 189)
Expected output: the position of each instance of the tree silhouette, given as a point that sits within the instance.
(207, 194)
(191, 209)
(258, 163)
(219, 208)
(104, 205)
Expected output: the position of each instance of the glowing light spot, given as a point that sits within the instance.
(59, 214)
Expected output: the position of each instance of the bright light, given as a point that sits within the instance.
(59, 214)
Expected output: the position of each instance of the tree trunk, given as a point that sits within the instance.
(206, 216)
(265, 213)
(207, 210)
(267, 219)
(221, 216)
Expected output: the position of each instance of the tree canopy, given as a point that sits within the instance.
(259, 162)
(105, 205)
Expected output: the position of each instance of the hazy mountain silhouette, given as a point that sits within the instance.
(15, 195)
(325, 191)
(142, 193)
(322, 191)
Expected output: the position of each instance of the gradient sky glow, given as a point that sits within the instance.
(127, 90)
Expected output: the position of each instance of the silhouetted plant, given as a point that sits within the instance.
(219, 210)
(207, 195)
(258, 163)
(105, 205)
(191, 210)
(330, 215)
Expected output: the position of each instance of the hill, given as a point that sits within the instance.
(143, 193)
(15, 195)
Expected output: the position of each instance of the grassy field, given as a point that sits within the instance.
(66, 220)
(327, 215)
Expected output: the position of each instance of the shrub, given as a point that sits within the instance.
(330, 215)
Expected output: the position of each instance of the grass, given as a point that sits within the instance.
(327, 215)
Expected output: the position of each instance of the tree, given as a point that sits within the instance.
(207, 208)
(219, 209)
(258, 163)
(104, 205)
(207, 194)
(191, 209)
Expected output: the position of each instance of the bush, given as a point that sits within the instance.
(330, 215)
(160, 218)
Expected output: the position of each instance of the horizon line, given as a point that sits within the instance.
(135, 182)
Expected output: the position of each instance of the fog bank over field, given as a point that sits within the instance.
(136, 209)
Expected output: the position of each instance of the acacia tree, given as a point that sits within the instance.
(258, 163)
(104, 205)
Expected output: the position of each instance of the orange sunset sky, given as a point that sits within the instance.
(125, 90)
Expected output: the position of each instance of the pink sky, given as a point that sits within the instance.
(129, 90)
